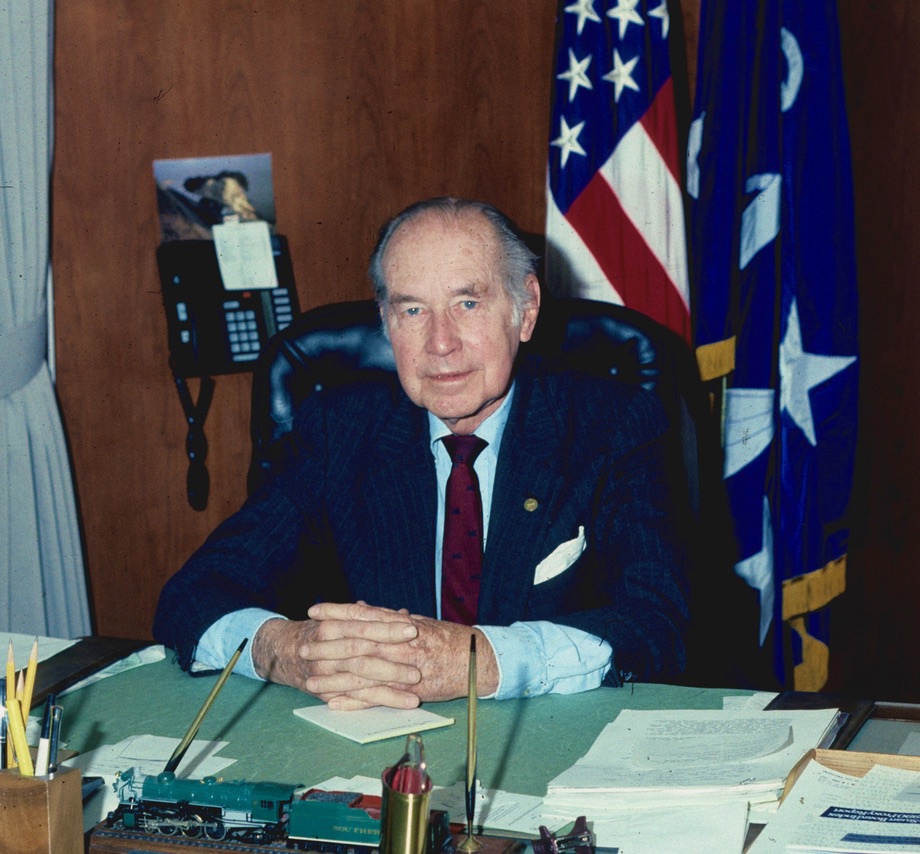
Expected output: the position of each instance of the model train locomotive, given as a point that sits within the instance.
(257, 813)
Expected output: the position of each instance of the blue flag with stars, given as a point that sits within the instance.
(770, 226)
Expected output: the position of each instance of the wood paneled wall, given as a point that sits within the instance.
(366, 106)
(878, 632)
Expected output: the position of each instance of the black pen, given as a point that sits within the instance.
(3, 739)
(56, 714)
(3, 722)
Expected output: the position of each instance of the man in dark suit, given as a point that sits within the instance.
(350, 569)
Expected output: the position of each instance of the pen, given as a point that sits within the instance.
(10, 692)
(471, 843)
(3, 760)
(183, 745)
(3, 738)
(56, 714)
(10, 671)
(44, 742)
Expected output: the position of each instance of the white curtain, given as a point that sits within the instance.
(42, 582)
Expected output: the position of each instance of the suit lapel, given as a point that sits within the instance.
(528, 471)
(399, 492)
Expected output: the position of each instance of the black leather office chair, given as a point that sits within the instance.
(338, 344)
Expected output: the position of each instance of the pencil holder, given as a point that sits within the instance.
(41, 815)
(403, 822)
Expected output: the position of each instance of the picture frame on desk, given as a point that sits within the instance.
(874, 727)
(857, 712)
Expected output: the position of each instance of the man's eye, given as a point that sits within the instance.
(413, 311)
(469, 303)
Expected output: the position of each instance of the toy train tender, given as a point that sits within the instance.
(257, 813)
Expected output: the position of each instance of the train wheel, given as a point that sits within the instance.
(168, 829)
(195, 827)
(215, 829)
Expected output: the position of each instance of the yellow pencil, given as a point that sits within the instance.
(26, 698)
(17, 733)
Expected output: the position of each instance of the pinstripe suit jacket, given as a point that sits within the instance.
(350, 514)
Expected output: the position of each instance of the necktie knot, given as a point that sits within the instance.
(463, 450)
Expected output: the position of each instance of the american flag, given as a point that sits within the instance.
(615, 221)
(771, 225)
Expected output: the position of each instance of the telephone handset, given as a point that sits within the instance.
(213, 330)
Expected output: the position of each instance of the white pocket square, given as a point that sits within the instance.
(560, 558)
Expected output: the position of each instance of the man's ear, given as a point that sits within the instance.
(531, 307)
(382, 309)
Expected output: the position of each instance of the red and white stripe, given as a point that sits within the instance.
(623, 239)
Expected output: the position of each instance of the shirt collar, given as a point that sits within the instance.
(490, 430)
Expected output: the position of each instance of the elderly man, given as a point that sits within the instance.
(492, 494)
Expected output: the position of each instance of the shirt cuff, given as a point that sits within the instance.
(540, 657)
(222, 638)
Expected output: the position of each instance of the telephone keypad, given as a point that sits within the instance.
(242, 332)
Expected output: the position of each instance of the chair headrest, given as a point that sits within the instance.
(342, 343)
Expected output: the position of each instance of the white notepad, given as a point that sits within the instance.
(367, 725)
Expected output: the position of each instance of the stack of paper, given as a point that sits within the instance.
(827, 811)
(689, 756)
(687, 768)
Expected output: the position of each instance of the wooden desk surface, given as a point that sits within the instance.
(522, 743)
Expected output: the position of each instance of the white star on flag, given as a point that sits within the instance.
(621, 75)
(757, 571)
(625, 14)
(585, 11)
(662, 12)
(800, 372)
(576, 74)
(567, 141)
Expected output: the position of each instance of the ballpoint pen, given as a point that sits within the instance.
(42, 756)
(10, 692)
(3, 738)
(471, 843)
(3, 759)
(56, 714)
(183, 745)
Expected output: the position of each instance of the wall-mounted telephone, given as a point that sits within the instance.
(213, 330)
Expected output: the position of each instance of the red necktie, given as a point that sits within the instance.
(461, 559)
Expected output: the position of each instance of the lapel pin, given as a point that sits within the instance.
(531, 504)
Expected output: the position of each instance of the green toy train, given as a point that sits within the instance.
(257, 813)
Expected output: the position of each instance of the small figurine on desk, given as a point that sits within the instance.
(580, 840)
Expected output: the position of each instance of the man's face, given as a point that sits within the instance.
(450, 320)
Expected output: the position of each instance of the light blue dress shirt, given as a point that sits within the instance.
(537, 657)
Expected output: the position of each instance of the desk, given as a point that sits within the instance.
(523, 744)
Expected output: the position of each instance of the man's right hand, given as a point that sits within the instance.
(284, 651)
